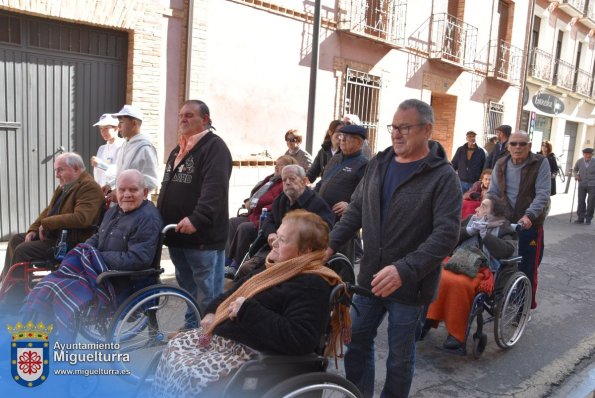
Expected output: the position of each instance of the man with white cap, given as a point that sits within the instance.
(137, 152)
(105, 161)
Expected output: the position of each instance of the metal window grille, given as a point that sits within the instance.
(493, 119)
(361, 98)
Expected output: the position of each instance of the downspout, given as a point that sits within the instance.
(528, 34)
(189, 48)
(313, 75)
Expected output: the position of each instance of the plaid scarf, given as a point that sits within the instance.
(276, 273)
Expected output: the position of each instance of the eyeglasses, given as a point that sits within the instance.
(404, 129)
(520, 143)
(291, 140)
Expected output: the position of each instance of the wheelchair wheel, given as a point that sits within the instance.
(318, 384)
(512, 310)
(145, 322)
(94, 330)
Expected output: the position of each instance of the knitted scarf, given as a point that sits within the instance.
(276, 273)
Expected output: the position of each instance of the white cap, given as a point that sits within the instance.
(130, 111)
(107, 120)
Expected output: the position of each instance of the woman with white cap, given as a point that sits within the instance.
(105, 161)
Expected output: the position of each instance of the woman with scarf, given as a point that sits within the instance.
(489, 231)
(243, 229)
(283, 309)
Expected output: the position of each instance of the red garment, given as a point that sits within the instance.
(455, 298)
(469, 207)
(266, 200)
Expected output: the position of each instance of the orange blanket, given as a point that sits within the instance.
(455, 298)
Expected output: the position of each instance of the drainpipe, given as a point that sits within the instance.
(528, 34)
(313, 75)
(189, 48)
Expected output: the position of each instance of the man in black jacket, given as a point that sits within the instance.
(501, 149)
(194, 195)
(295, 195)
(468, 161)
(408, 205)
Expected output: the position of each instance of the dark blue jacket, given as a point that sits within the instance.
(128, 241)
(469, 170)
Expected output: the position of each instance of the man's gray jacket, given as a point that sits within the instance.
(422, 226)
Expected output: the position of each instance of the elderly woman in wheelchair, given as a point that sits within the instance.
(283, 309)
(485, 237)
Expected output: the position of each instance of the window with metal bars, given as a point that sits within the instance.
(361, 98)
(493, 119)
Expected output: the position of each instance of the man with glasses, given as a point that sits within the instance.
(408, 205)
(522, 178)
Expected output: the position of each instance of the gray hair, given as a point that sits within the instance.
(352, 119)
(72, 159)
(140, 178)
(426, 114)
(523, 133)
(297, 169)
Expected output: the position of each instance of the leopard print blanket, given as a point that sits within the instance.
(185, 368)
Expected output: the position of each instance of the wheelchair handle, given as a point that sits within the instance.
(167, 228)
(362, 291)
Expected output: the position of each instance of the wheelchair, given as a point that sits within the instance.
(143, 322)
(508, 307)
(275, 376)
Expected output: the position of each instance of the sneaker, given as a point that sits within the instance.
(451, 343)
(579, 221)
(587, 222)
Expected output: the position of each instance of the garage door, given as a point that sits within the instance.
(55, 80)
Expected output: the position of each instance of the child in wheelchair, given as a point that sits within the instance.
(485, 237)
(283, 309)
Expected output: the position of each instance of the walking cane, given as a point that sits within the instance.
(573, 195)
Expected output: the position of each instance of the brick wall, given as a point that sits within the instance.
(143, 20)
(445, 112)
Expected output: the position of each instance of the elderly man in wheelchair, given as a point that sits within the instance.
(481, 275)
(281, 310)
(127, 240)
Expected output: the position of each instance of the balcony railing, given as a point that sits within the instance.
(589, 19)
(452, 40)
(540, 65)
(380, 19)
(574, 8)
(583, 82)
(564, 75)
(501, 60)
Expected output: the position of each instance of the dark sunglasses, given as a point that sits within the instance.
(291, 140)
(521, 143)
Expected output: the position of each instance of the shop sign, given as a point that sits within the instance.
(548, 103)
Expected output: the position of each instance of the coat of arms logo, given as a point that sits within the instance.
(30, 353)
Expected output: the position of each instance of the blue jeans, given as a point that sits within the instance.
(465, 186)
(200, 272)
(403, 321)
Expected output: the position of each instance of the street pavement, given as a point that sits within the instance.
(554, 357)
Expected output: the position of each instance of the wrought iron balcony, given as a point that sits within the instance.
(564, 75)
(382, 20)
(452, 40)
(574, 8)
(540, 65)
(589, 16)
(583, 82)
(501, 60)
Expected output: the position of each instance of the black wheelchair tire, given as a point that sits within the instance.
(317, 381)
(512, 312)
